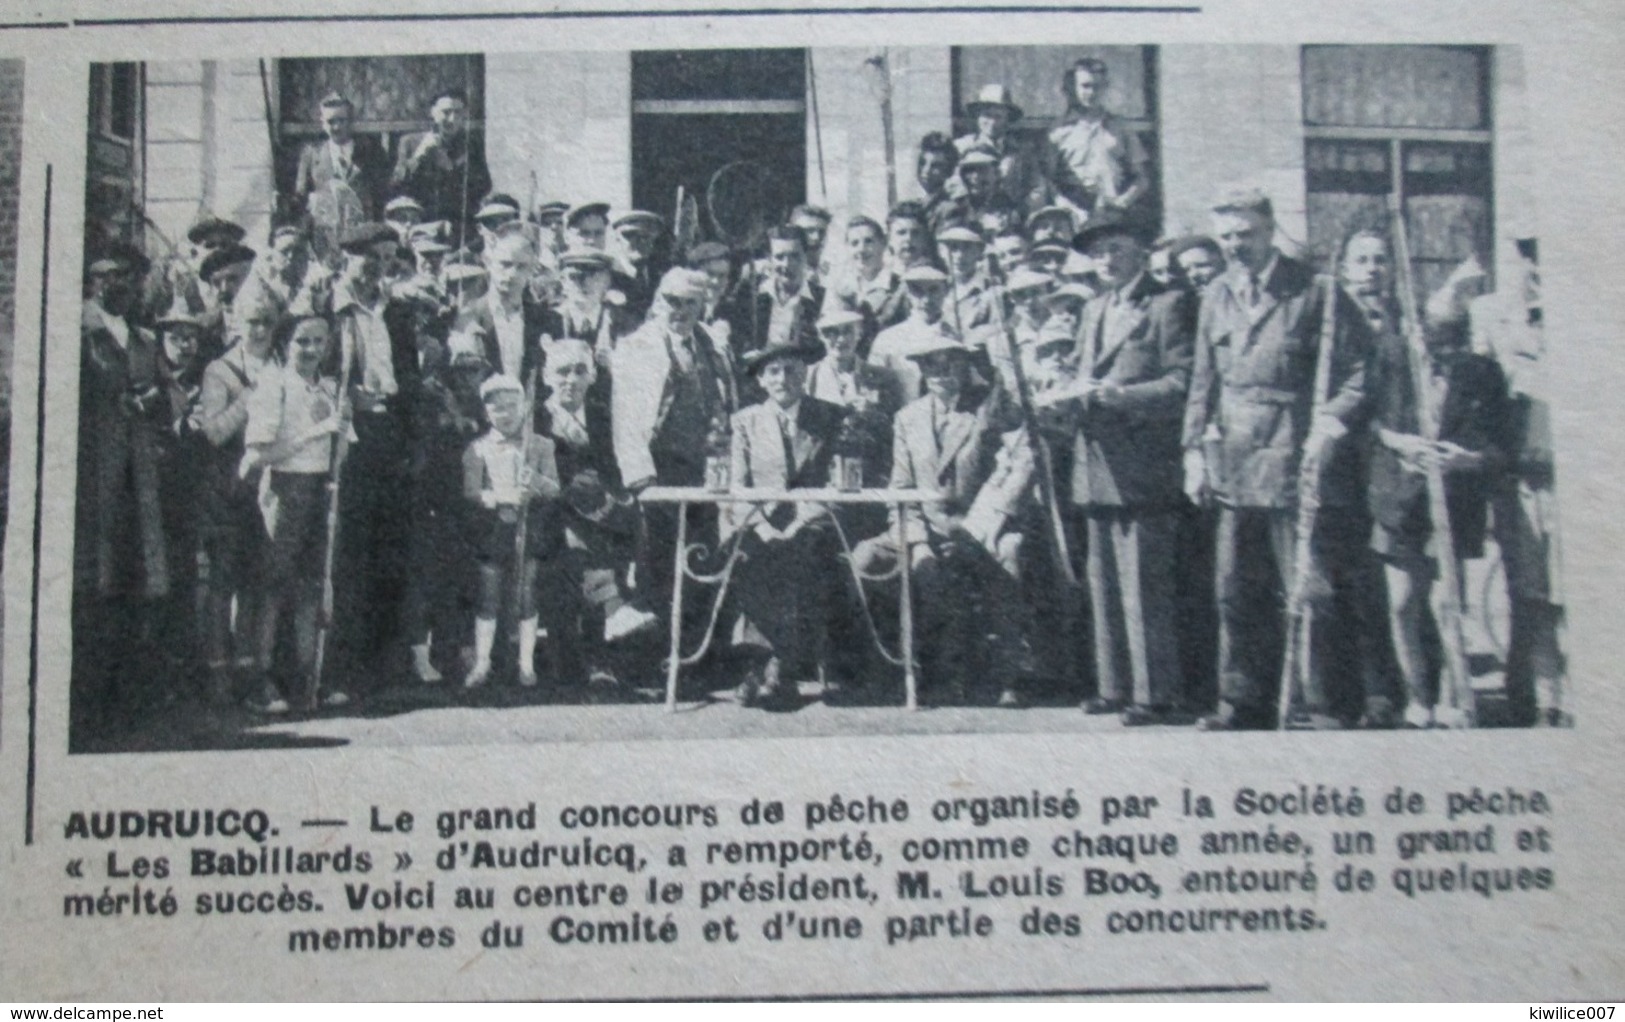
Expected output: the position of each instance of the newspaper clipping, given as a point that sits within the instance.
(793, 503)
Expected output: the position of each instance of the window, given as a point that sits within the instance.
(1411, 122)
(1034, 74)
(112, 164)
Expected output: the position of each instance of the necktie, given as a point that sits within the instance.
(787, 433)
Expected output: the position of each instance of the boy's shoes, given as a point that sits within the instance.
(1418, 716)
(527, 678)
(626, 622)
(1454, 717)
(269, 702)
(1098, 706)
(423, 668)
(335, 698)
(1551, 716)
(478, 675)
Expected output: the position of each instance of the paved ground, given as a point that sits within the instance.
(412, 715)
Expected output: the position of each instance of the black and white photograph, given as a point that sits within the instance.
(500, 398)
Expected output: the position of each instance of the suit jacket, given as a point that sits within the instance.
(641, 395)
(955, 470)
(759, 455)
(1129, 455)
(400, 321)
(1254, 381)
(808, 305)
(613, 323)
(1476, 414)
(478, 316)
(448, 183)
(118, 493)
(367, 176)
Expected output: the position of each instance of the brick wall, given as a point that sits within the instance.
(11, 156)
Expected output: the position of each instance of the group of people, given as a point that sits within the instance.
(408, 436)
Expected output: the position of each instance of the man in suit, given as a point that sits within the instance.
(508, 321)
(444, 168)
(1127, 406)
(637, 271)
(789, 301)
(377, 336)
(590, 309)
(590, 546)
(341, 177)
(784, 585)
(946, 442)
(121, 559)
(1248, 436)
(672, 390)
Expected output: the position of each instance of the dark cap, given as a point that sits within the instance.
(214, 227)
(219, 260)
(706, 252)
(801, 351)
(361, 237)
(1106, 225)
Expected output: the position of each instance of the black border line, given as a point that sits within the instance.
(39, 515)
(945, 995)
(679, 12)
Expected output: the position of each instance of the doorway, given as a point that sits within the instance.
(695, 112)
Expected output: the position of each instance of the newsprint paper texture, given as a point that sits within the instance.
(916, 501)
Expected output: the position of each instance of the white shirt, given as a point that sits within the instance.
(370, 341)
(118, 326)
(284, 406)
(510, 330)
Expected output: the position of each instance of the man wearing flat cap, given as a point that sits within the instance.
(444, 168)
(342, 176)
(981, 204)
(1016, 168)
(672, 391)
(181, 283)
(1126, 408)
(784, 442)
(637, 270)
(946, 441)
(589, 309)
(927, 289)
(970, 294)
(403, 214)
(121, 562)
(224, 272)
(377, 338)
(1248, 436)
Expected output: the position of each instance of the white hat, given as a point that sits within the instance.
(498, 384)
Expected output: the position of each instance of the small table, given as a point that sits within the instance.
(896, 500)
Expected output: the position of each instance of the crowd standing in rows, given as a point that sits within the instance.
(1115, 429)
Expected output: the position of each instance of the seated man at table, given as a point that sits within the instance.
(946, 443)
(784, 582)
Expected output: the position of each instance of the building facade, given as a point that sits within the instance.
(1329, 131)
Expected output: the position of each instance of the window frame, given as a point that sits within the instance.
(1398, 139)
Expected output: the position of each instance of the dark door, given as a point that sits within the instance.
(695, 112)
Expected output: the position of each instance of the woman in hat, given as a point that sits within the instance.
(1095, 161)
